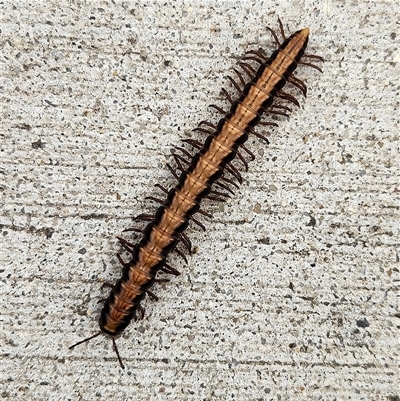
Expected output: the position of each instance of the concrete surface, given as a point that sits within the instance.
(291, 294)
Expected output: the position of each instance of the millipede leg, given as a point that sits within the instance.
(102, 300)
(173, 172)
(218, 109)
(193, 142)
(186, 241)
(287, 96)
(281, 29)
(258, 54)
(202, 212)
(282, 107)
(313, 56)
(235, 84)
(158, 200)
(227, 95)
(152, 295)
(170, 270)
(126, 245)
(216, 198)
(261, 136)
(229, 181)
(180, 158)
(203, 130)
(275, 36)
(240, 76)
(310, 65)
(248, 151)
(249, 67)
(165, 190)
(234, 171)
(242, 159)
(198, 223)
(211, 125)
(135, 230)
(178, 163)
(143, 217)
(276, 109)
(141, 310)
(182, 255)
(217, 193)
(121, 260)
(252, 58)
(298, 83)
(107, 284)
(185, 152)
(162, 280)
(268, 124)
(219, 184)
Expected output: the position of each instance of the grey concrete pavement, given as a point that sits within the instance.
(291, 294)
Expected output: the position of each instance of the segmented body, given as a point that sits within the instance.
(172, 218)
(206, 168)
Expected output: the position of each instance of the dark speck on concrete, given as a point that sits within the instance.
(362, 323)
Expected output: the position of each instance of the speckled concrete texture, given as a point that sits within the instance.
(291, 293)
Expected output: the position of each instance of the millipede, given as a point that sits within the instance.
(208, 174)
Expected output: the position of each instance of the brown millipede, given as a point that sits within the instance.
(208, 167)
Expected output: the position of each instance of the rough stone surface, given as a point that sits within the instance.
(292, 291)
